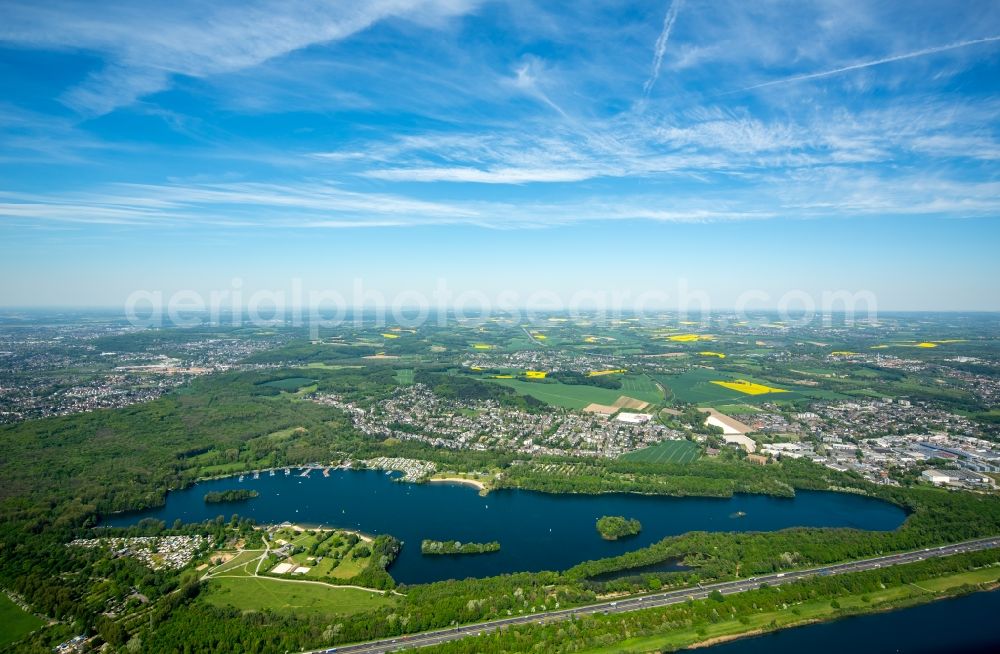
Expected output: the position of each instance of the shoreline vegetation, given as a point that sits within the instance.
(613, 527)
(228, 496)
(434, 547)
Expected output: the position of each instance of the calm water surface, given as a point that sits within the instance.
(956, 626)
(536, 531)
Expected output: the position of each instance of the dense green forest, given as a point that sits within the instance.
(455, 547)
(221, 497)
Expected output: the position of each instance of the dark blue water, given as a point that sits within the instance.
(956, 626)
(536, 531)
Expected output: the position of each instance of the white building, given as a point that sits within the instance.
(936, 477)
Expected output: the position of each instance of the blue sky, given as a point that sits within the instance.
(501, 145)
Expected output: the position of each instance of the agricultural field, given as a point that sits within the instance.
(665, 452)
(642, 388)
(700, 386)
(301, 598)
(572, 396)
(15, 623)
(404, 376)
(749, 388)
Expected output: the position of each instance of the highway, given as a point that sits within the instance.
(667, 598)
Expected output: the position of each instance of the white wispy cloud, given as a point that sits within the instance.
(660, 48)
(815, 192)
(702, 141)
(873, 62)
(491, 176)
(145, 45)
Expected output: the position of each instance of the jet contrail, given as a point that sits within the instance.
(661, 44)
(866, 64)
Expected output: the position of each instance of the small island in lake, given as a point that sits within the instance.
(219, 497)
(613, 527)
(455, 547)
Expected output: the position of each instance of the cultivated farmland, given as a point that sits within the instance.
(572, 396)
(665, 452)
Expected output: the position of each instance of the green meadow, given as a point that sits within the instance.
(290, 597)
(15, 623)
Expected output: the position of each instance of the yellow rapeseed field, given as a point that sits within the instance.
(690, 338)
(535, 374)
(482, 346)
(712, 354)
(749, 387)
(391, 335)
(598, 373)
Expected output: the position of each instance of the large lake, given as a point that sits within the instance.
(536, 531)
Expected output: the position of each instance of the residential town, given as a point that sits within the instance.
(415, 413)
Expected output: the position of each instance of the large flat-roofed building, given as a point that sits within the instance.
(956, 477)
(935, 476)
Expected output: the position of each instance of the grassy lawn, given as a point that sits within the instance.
(323, 564)
(15, 624)
(665, 452)
(813, 610)
(349, 567)
(243, 563)
(304, 599)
